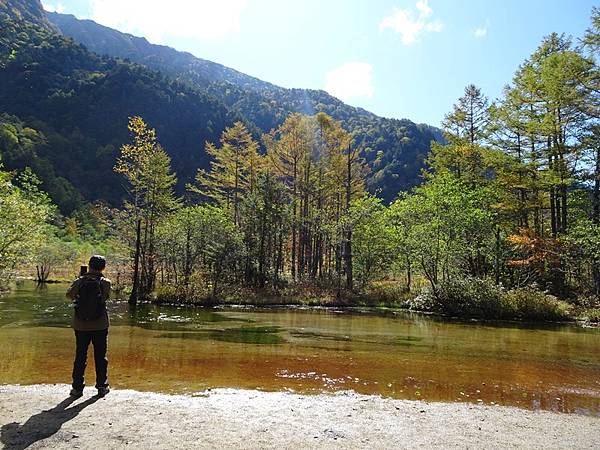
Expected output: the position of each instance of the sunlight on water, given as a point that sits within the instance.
(186, 350)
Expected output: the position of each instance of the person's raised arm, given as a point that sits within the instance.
(106, 289)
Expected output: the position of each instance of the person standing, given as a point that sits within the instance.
(89, 294)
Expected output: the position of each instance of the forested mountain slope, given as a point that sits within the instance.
(393, 148)
(64, 111)
(64, 108)
(26, 10)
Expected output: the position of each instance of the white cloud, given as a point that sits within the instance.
(403, 22)
(59, 7)
(481, 32)
(155, 19)
(350, 80)
(424, 8)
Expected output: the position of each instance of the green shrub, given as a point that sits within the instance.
(381, 295)
(425, 301)
(171, 294)
(531, 304)
(474, 297)
(470, 297)
(591, 315)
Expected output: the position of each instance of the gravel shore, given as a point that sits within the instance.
(42, 416)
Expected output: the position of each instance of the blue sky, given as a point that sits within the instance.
(398, 58)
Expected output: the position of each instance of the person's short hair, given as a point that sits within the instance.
(97, 262)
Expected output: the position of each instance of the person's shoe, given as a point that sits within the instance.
(102, 391)
(75, 393)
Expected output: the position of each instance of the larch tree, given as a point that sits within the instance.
(147, 168)
(287, 148)
(234, 169)
(469, 117)
(346, 169)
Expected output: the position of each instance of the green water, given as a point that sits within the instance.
(400, 355)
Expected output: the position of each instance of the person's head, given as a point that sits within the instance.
(97, 263)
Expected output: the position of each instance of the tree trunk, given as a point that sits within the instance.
(348, 249)
(214, 286)
(431, 276)
(348, 255)
(301, 238)
(294, 216)
(188, 258)
(596, 220)
(261, 253)
(497, 262)
(151, 262)
(42, 274)
(143, 286)
(279, 263)
(133, 298)
(596, 193)
(338, 264)
(553, 214)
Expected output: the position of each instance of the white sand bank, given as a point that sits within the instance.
(39, 417)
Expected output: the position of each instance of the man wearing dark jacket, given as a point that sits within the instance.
(90, 327)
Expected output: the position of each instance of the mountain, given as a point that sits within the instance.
(64, 107)
(394, 149)
(26, 10)
(107, 41)
(64, 111)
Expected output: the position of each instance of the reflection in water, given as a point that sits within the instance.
(184, 349)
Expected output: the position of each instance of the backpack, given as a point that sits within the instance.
(89, 304)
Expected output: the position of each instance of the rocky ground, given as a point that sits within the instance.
(43, 416)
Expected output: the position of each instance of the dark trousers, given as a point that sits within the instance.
(99, 340)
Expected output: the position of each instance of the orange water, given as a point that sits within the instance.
(185, 350)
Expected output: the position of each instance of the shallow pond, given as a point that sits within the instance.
(187, 350)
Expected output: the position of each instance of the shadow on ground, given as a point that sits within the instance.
(41, 426)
